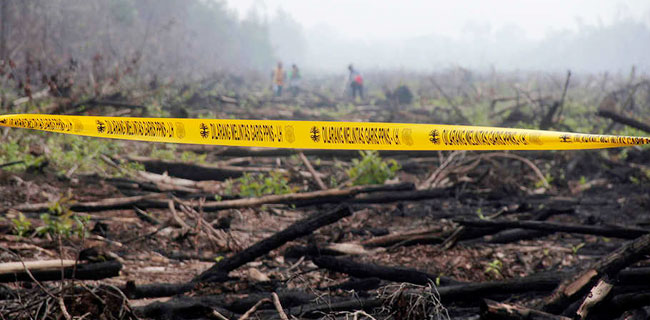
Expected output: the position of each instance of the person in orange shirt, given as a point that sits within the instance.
(278, 79)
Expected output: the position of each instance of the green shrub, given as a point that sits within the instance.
(494, 267)
(257, 184)
(63, 222)
(66, 225)
(21, 226)
(12, 150)
(371, 169)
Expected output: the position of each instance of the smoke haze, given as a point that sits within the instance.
(589, 36)
(180, 39)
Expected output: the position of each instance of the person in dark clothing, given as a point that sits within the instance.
(356, 82)
(294, 80)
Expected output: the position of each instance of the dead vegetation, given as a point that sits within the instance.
(196, 232)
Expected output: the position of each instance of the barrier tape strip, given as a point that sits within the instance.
(316, 134)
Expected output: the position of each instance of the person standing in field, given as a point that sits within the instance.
(294, 80)
(356, 82)
(278, 79)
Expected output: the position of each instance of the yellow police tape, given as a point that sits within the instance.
(317, 134)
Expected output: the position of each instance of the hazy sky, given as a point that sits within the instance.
(381, 19)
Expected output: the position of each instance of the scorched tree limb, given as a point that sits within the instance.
(301, 228)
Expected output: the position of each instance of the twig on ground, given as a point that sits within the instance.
(219, 315)
(38, 283)
(430, 181)
(522, 159)
(252, 310)
(64, 310)
(312, 171)
(176, 218)
(278, 306)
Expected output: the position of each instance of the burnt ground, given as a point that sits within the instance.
(587, 188)
(173, 232)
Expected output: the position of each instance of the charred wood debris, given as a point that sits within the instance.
(458, 235)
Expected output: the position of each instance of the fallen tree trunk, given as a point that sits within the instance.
(508, 236)
(86, 271)
(492, 310)
(185, 255)
(472, 293)
(613, 308)
(598, 293)
(155, 290)
(301, 228)
(614, 232)
(198, 172)
(367, 270)
(13, 267)
(153, 200)
(543, 282)
(392, 239)
(101, 205)
(575, 287)
(184, 308)
(317, 310)
(288, 298)
(458, 290)
(624, 120)
(516, 234)
(326, 196)
(414, 195)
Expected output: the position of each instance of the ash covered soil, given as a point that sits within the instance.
(161, 231)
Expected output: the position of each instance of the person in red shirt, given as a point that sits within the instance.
(356, 82)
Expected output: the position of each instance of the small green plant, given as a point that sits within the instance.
(16, 151)
(129, 168)
(164, 152)
(256, 184)
(229, 187)
(61, 221)
(371, 169)
(479, 213)
(66, 225)
(21, 226)
(548, 178)
(333, 182)
(494, 267)
(83, 153)
(575, 249)
(583, 180)
(189, 156)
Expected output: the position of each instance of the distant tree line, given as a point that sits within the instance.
(169, 38)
